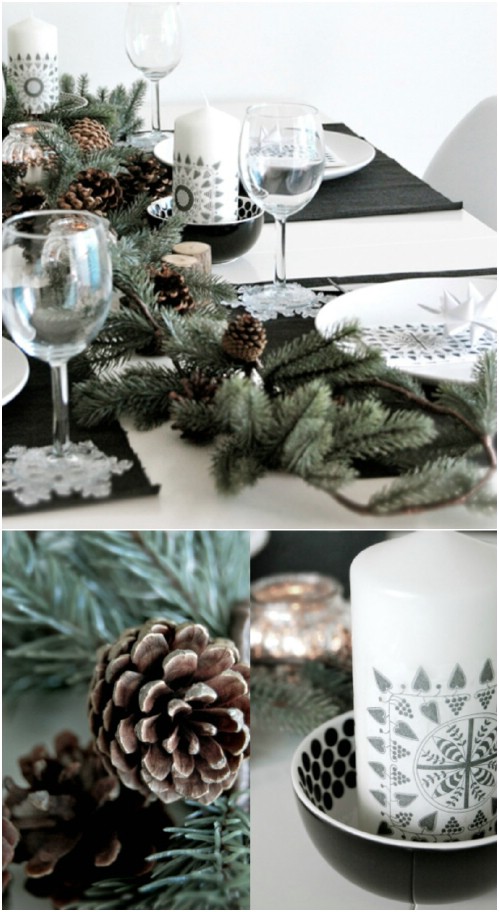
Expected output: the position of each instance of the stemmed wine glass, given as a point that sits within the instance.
(281, 162)
(57, 289)
(153, 45)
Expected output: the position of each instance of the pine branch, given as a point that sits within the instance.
(140, 392)
(440, 483)
(302, 699)
(207, 866)
(66, 595)
(338, 360)
(122, 336)
(207, 862)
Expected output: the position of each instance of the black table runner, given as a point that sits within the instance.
(383, 187)
(27, 421)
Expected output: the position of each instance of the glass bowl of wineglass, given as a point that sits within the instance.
(57, 290)
(281, 163)
(153, 43)
(417, 870)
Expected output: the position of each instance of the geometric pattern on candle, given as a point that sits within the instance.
(437, 784)
(36, 81)
(456, 764)
(202, 192)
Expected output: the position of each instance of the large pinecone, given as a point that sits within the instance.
(90, 135)
(94, 190)
(170, 711)
(244, 339)
(77, 823)
(171, 289)
(145, 174)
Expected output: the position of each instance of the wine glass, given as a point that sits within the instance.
(153, 45)
(57, 289)
(281, 162)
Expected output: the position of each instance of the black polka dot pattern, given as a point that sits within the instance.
(327, 768)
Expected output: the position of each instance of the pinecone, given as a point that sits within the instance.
(145, 174)
(197, 387)
(90, 135)
(94, 190)
(170, 711)
(10, 838)
(25, 199)
(76, 823)
(244, 339)
(171, 289)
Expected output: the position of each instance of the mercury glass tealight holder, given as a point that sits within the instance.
(297, 617)
(23, 156)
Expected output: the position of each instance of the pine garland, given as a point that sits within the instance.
(320, 409)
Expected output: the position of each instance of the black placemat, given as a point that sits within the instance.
(383, 187)
(27, 421)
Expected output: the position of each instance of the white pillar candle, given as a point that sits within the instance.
(424, 675)
(32, 51)
(205, 166)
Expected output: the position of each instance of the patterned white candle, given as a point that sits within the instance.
(424, 674)
(32, 50)
(205, 166)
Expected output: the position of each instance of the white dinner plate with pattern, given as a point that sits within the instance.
(411, 337)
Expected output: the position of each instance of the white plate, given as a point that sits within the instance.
(349, 152)
(15, 370)
(391, 303)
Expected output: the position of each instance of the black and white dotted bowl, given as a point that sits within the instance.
(228, 240)
(324, 782)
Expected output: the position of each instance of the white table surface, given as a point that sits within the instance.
(188, 499)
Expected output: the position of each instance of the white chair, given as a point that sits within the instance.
(465, 166)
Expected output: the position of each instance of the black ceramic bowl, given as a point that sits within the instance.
(228, 240)
(324, 782)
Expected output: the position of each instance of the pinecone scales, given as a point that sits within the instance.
(75, 822)
(244, 339)
(169, 709)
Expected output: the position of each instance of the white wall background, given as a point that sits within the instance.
(402, 74)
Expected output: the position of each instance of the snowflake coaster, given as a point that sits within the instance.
(263, 301)
(34, 474)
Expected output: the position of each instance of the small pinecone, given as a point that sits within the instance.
(197, 387)
(25, 199)
(76, 823)
(145, 174)
(170, 711)
(244, 339)
(90, 135)
(93, 190)
(171, 289)
(10, 838)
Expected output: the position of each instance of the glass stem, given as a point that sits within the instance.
(280, 257)
(60, 403)
(155, 123)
